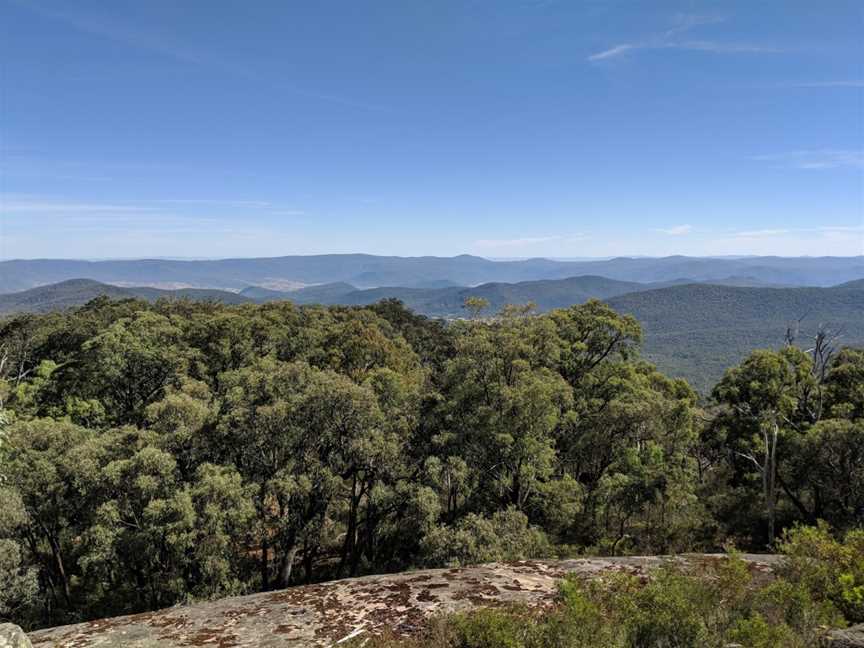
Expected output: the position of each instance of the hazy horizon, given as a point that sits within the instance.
(436, 256)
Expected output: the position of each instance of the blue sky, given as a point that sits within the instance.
(502, 128)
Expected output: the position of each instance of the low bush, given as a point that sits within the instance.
(829, 569)
(505, 535)
(675, 608)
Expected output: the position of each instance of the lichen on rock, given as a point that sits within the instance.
(11, 636)
(324, 614)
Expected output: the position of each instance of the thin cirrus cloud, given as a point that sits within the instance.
(824, 230)
(816, 159)
(17, 206)
(763, 233)
(677, 230)
(701, 46)
(668, 40)
(853, 83)
(613, 52)
(208, 201)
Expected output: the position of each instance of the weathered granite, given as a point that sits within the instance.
(849, 638)
(325, 613)
(11, 636)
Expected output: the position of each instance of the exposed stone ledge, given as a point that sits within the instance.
(325, 613)
(849, 638)
(11, 636)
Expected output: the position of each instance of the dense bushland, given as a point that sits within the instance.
(159, 453)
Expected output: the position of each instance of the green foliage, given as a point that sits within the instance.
(18, 581)
(756, 632)
(165, 452)
(490, 628)
(673, 609)
(697, 331)
(506, 535)
(827, 568)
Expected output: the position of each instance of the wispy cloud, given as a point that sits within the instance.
(260, 205)
(761, 233)
(723, 48)
(215, 202)
(669, 39)
(842, 228)
(612, 52)
(823, 84)
(677, 230)
(815, 159)
(16, 207)
(823, 230)
(12, 203)
(827, 240)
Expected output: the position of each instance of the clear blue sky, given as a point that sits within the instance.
(501, 128)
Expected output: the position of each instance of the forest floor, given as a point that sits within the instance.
(327, 614)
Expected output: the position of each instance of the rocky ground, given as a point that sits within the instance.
(327, 614)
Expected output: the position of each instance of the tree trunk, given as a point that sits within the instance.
(350, 531)
(308, 560)
(265, 568)
(288, 565)
(769, 479)
(59, 566)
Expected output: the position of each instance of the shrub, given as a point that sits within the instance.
(506, 535)
(756, 632)
(583, 620)
(491, 628)
(674, 608)
(830, 570)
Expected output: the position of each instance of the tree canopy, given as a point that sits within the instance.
(152, 454)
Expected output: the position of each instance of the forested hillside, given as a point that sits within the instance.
(445, 302)
(698, 331)
(693, 331)
(159, 453)
(77, 292)
(450, 302)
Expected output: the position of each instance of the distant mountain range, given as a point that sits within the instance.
(447, 302)
(692, 330)
(368, 271)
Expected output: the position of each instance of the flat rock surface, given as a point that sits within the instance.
(11, 636)
(326, 613)
(849, 638)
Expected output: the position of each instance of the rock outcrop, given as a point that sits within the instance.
(326, 613)
(849, 638)
(11, 636)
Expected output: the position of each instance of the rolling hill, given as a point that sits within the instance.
(435, 302)
(696, 331)
(546, 294)
(368, 271)
(329, 293)
(76, 292)
(691, 330)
